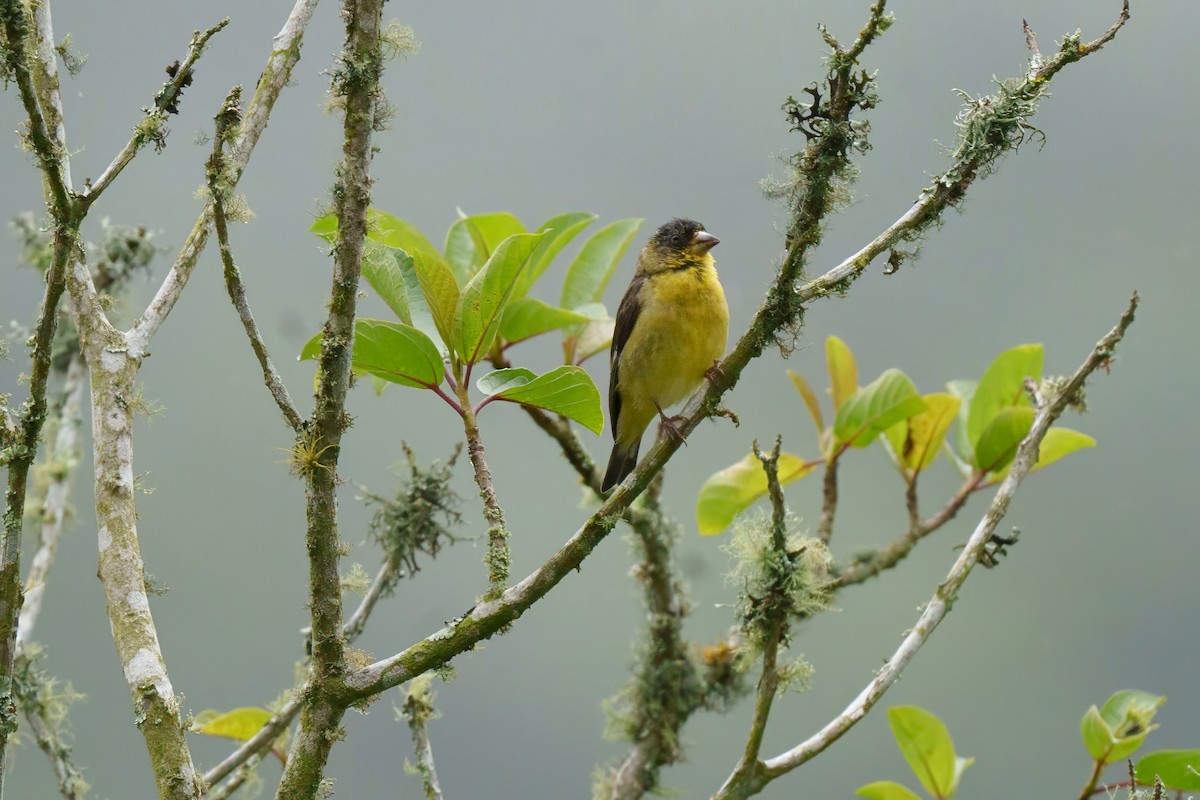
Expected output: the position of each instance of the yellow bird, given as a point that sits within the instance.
(672, 327)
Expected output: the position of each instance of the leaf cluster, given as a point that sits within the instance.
(992, 415)
(470, 302)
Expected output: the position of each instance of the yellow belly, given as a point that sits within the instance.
(680, 332)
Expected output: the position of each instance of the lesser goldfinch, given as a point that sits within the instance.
(671, 329)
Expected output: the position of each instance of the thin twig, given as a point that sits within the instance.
(417, 710)
(239, 778)
(150, 128)
(233, 278)
(893, 553)
(497, 557)
(742, 785)
(259, 742)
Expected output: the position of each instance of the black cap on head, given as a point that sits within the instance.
(676, 234)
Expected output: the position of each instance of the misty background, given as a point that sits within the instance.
(653, 110)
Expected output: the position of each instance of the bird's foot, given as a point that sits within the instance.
(714, 373)
(669, 426)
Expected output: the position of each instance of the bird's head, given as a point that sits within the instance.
(676, 244)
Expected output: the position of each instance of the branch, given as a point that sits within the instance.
(497, 557)
(229, 115)
(152, 126)
(285, 53)
(21, 53)
(741, 786)
(356, 83)
(417, 710)
(61, 457)
(892, 554)
(665, 690)
(259, 742)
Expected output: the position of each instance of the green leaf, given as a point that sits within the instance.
(875, 407)
(239, 724)
(559, 230)
(595, 337)
(565, 390)
(326, 228)
(591, 270)
(1128, 715)
(927, 747)
(917, 440)
(1002, 386)
(528, 316)
(1097, 736)
(810, 402)
(1178, 769)
(998, 444)
(964, 448)
(481, 304)
(392, 231)
(732, 490)
(843, 371)
(440, 293)
(393, 351)
(382, 271)
(471, 241)
(886, 790)
(499, 380)
(1057, 443)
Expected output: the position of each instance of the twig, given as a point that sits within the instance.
(497, 557)
(744, 785)
(240, 776)
(150, 129)
(418, 709)
(829, 496)
(358, 620)
(230, 113)
(259, 742)
(892, 554)
(35, 692)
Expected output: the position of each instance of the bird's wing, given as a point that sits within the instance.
(627, 314)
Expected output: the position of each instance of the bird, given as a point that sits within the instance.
(671, 329)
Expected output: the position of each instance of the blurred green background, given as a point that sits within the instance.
(658, 109)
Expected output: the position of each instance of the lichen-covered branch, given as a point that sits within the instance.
(356, 83)
(497, 557)
(418, 710)
(666, 688)
(741, 785)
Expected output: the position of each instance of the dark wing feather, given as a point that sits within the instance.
(627, 314)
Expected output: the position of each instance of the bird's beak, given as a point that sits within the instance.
(705, 241)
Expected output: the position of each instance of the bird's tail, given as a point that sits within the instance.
(620, 464)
